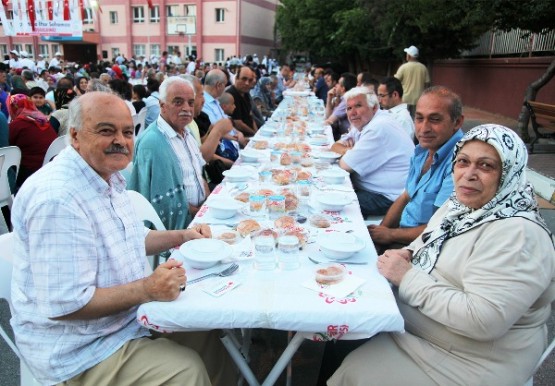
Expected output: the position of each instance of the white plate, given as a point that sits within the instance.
(340, 246)
(205, 253)
(267, 131)
(249, 155)
(237, 174)
(334, 201)
(223, 207)
(318, 141)
(330, 155)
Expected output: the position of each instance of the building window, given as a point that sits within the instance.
(220, 15)
(155, 49)
(88, 19)
(139, 49)
(219, 55)
(171, 10)
(17, 47)
(30, 51)
(3, 49)
(173, 50)
(113, 17)
(155, 14)
(115, 52)
(43, 49)
(55, 48)
(138, 14)
(190, 10)
(191, 51)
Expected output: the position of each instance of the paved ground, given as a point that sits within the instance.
(268, 345)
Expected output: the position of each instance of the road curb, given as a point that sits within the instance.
(543, 185)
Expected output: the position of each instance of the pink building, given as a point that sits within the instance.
(213, 30)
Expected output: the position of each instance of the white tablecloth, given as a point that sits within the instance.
(277, 299)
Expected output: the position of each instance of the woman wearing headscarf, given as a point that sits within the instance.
(262, 96)
(475, 289)
(19, 86)
(59, 118)
(29, 130)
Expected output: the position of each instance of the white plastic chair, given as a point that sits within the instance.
(139, 121)
(146, 212)
(6, 251)
(55, 148)
(12, 158)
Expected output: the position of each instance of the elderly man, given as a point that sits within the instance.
(214, 87)
(57, 60)
(430, 183)
(414, 76)
(242, 116)
(336, 114)
(376, 152)
(390, 96)
(79, 266)
(168, 164)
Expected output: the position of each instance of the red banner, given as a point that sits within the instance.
(150, 5)
(31, 12)
(50, 8)
(66, 10)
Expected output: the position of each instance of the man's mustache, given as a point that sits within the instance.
(116, 149)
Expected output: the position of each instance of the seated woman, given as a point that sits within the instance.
(29, 130)
(262, 96)
(59, 118)
(475, 288)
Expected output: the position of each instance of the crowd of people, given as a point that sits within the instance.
(461, 240)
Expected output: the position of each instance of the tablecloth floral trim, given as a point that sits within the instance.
(334, 332)
(145, 322)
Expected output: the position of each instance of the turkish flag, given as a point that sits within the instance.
(50, 8)
(150, 5)
(31, 11)
(66, 10)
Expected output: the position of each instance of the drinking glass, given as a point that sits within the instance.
(288, 252)
(264, 252)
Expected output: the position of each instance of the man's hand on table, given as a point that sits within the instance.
(198, 231)
(381, 234)
(394, 264)
(166, 281)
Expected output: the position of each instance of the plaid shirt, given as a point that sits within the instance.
(74, 233)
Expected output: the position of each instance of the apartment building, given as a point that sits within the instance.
(209, 29)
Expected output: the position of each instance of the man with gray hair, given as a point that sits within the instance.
(376, 152)
(214, 86)
(79, 267)
(168, 163)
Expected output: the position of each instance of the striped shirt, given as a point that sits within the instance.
(190, 160)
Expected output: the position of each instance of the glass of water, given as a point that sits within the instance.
(264, 252)
(288, 252)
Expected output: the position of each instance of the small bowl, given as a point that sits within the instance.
(320, 164)
(249, 155)
(329, 273)
(330, 156)
(317, 129)
(339, 246)
(334, 176)
(237, 174)
(333, 201)
(267, 131)
(224, 208)
(319, 140)
(204, 253)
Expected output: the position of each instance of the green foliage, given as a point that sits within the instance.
(537, 16)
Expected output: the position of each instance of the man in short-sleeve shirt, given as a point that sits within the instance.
(379, 158)
(430, 183)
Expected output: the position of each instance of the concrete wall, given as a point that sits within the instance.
(495, 85)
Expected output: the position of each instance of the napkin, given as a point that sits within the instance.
(340, 290)
(221, 287)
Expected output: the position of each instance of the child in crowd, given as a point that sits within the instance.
(228, 106)
(37, 95)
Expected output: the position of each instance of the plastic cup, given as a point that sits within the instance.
(264, 252)
(256, 204)
(276, 206)
(288, 252)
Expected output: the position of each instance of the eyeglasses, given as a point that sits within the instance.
(384, 95)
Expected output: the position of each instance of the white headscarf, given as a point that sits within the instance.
(514, 197)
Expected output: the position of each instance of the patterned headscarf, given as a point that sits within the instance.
(62, 96)
(21, 107)
(514, 196)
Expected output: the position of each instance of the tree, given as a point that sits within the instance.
(532, 16)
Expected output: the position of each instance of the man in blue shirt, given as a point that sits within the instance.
(438, 121)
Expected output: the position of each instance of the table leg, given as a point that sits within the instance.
(284, 359)
(238, 358)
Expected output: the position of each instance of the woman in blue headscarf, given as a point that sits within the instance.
(262, 96)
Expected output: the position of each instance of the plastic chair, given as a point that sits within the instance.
(146, 212)
(12, 159)
(139, 121)
(6, 248)
(55, 148)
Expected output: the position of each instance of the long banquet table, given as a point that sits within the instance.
(278, 299)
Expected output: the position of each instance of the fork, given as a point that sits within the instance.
(226, 272)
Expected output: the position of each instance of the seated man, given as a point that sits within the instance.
(377, 153)
(336, 114)
(242, 116)
(79, 265)
(168, 165)
(430, 183)
(390, 95)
